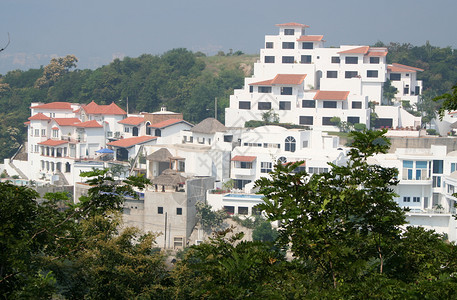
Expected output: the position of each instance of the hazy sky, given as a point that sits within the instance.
(96, 31)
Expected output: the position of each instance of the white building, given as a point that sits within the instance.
(308, 84)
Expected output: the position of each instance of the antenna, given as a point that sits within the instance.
(7, 43)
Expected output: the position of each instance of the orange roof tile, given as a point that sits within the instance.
(132, 121)
(39, 116)
(53, 142)
(54, 105)
(292, 24)
(129, 142)
(310, 38)
(293, 79)
(67, 121)
(359, 50)
(167, 123)
(244, 158)
(377, 51)
(89, 124)
(331, 95)
(400, 66)
(55, 128)
(94, 108)
(27, 123)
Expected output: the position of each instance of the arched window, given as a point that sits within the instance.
(148, 129)
(290, 144)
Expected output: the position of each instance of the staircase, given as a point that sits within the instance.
(22, 175)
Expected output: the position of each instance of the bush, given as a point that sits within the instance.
(431, 132)
(360, 126)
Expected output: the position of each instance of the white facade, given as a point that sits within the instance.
(356, 75)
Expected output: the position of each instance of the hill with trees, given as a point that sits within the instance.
(179, 79)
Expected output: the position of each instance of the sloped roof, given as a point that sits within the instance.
(209, 125)
(169, 122)
(39, 116)
(399, 68)
(161, 155)
(89, 124)
(27, 123)
(53, 143)
(358, 50)
(54, 105)
(111, 109)
(331, 95)
(293, 79)
(129, 142)
(132, 121)
(310, 38)
(377, 51)
(67, 121)
(292, 24)
(169, 178)
(243, 158)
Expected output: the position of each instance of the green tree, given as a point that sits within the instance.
(388, 92)
(342, 220)
(56, 69)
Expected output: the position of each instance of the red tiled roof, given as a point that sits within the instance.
(53, 142)
(402, 68)
(55, 128)
(244, 158)
(39, 116)
(292, 24)
(94, 108)
(54, 105)
(293, 79)
(331, 95)
(377, 51)
(167, 123)
(89, 124)
(310, 38)
(67, 121)
(359, 50)
(132, 121)
(27, 123)
(129, 142)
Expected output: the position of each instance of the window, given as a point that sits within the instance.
(229, 209)
(55, 133)
(266, 167)
(395, 76)
(245, 165)
(288, 59)
(288, 45)
(436, 182)
(357, 104)
(126, 129)
(416, 199)
(406, 90)
(37, 132)
(406, 199)
(286, 90)
(269, 59)
(453, 166)
(289, 31)
(437, 167)
(264, 89)
(242, 210)
(326, 121)
(251, 89)
(264, 105)
(353, 120)
(179, 211)
(290, 144)
(244, 105)
(269, 45)
(315, 170)
(307, 45)
(417, 90)
(284, 105)
(160, 210)
(351, 60)
(335, 60)
(372, 73)
(350, 74)
(374, 60)
(37, 148)
(43, 132)
(306, 120)
(332, 74)
(305, 59)
(308, 103)
(330, 104)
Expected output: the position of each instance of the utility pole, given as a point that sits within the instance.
(165, 236)
(215, 108)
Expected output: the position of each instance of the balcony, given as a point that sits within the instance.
(243, 171)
